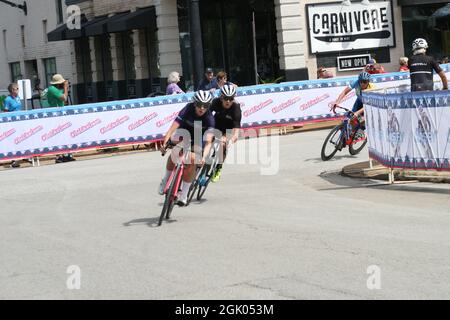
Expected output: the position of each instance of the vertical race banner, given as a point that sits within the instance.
(409, 130)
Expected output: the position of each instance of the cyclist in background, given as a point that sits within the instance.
(363, 83)
(227, 115)
(421, 68)
(194, 112)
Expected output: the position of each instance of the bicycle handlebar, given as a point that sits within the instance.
(348, 110)
(169, 145)
(338, 106)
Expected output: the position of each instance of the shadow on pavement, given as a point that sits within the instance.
(335, 158)
(150, 222)
(343, 183)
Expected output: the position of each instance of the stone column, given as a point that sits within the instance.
(291, 39)
(168, 38)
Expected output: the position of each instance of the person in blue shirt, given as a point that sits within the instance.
(12, 102)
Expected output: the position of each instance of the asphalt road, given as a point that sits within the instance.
(301, 232)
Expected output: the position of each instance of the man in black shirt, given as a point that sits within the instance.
(227, 116)
(206, 82)
(421, 68)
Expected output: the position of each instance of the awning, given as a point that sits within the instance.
(99, 27)
(64, 33)
(71, 34)
(124, 21)
(139, 19)
(58, 34)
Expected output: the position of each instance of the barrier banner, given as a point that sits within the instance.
(39, 132)
(409, 130)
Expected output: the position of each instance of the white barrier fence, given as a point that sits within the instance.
(40, 132)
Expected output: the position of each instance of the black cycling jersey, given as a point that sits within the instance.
(187, 118)
(226, 118)
(421, 69)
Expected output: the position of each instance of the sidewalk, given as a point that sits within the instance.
(362, 170)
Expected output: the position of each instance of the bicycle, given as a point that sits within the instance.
(173, 184)
(348, 133)
(205, 173)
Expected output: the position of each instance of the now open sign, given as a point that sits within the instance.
(356, 62)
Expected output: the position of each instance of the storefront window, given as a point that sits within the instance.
(151, 45)
(227, 37)
(50, 69)
(185, 44)
(431, 22)
(16, 74)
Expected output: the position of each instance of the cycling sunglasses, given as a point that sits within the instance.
(228, 99)
(202, 106)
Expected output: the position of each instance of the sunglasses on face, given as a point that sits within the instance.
(202, 106)
(364, 82)
(228, 99)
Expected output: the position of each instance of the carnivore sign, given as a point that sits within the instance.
(336, 27)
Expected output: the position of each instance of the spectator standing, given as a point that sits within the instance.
(13, 103)
(37, 91)
(57, 95)
(206, 82)
(221, 80)
(373, 67)
(403, 64)
(323, 73)
(172, 80)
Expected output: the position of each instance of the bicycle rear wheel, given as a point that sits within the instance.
(194, 186)
(332, 143)
(359, 141)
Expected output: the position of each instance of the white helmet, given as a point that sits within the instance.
(228, 91)
(203, 97)
(419, 43)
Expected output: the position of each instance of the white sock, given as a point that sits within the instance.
(185, 190)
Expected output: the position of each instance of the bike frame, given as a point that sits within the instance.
(348, 128)
(180, 163)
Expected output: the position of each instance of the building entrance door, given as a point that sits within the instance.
(228, 38)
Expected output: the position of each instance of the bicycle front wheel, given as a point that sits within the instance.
(206, 175)
(332, 143)
(358, 140)
(169, 202)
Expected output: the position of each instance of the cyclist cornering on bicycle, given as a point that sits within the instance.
(227, 115)
(194, 115)
(363, 83)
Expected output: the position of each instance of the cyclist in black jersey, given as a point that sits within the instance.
(421, 68)
(227, 116)
(195, 115)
